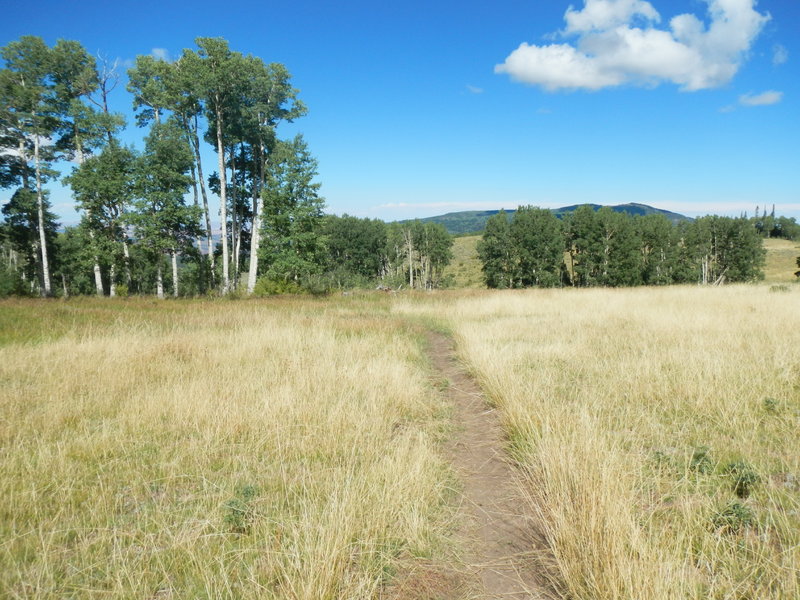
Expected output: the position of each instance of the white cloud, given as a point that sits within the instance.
(601, 15)
(763, 99)
(161, 54)
(474, 90)
(618, 43)
(779, 54)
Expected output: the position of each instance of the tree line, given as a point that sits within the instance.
(606, 248)
(138, 233)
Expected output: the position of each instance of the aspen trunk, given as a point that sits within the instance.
(197, 204)
(159, 282)
(127, 256)
(255, 234)
(174, 273)
(223, 201)
(236, 226)
(410, 261)
(98, 277)
(204, 195)
(112, 286)
(40, 209)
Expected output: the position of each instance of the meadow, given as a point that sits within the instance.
(656, 430)
(295, 447)
(284, 449)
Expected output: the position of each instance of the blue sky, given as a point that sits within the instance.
(422, 108)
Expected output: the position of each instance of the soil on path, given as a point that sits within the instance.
(498, 536)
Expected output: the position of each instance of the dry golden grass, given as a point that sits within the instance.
(633, 414)
(781, 262)
(464, 271)
(283, 449)
(290, 448)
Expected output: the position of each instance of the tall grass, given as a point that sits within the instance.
(217, 450)
(657, 430)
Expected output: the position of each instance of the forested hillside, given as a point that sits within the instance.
(474, 221)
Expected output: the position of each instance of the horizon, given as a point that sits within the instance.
(418, 110)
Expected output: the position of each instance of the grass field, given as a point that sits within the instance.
(284, 449)
(292, 448)
(657, 430)
(781, 262)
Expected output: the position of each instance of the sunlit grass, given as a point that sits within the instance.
(781, 262)
(282, 449)
(634, 414)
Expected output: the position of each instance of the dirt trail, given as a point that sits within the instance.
(498, 537)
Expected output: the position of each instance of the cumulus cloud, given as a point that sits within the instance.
(779, 54)
(763, 99)
(618, 42)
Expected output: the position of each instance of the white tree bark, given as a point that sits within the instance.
(223, 203)
(112, 287)
(174, 273)
(40, 209)
(255, 240)
(127, 256)
(204, 195)
(159, 282)
(98, 277)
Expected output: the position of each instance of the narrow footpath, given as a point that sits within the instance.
(497, 536)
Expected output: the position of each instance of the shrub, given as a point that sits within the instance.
(239, 510)
(701, 461)
(744, 477)
(733, 518)
(272, 287)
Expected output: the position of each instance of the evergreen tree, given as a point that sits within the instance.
(292, 248)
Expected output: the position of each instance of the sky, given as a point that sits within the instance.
(422, 108)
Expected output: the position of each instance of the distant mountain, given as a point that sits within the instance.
(474, 221)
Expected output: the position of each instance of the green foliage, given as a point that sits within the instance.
(608, 248)
(239, 511)
(20, 233)
(496, 252)
(743, 476)
(723, 249)
(417, 254)
(536, 236)
(292, 247)
(266, 286)
(162, 220)
(733, 518)
(700, 460)
(356, 248)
